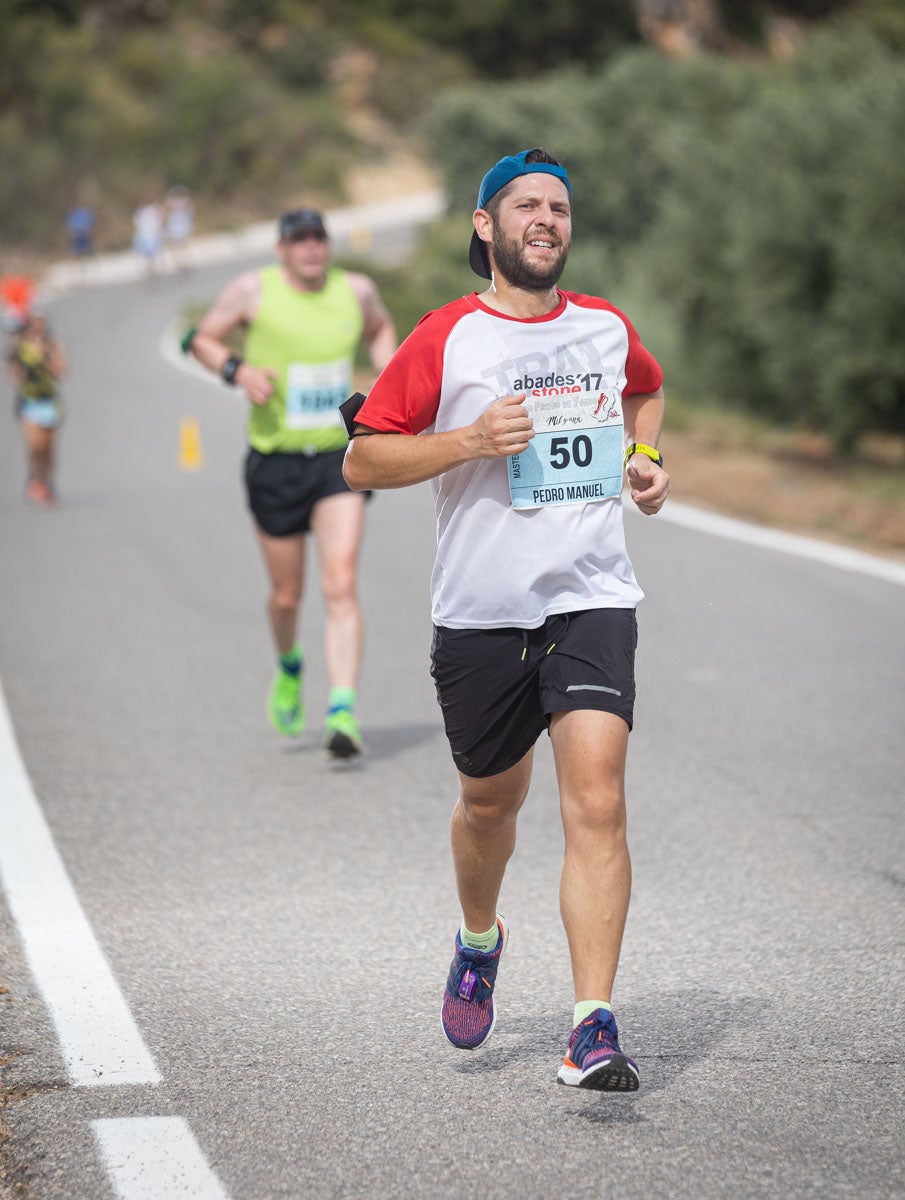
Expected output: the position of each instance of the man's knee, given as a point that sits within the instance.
(338, 585)
(487, 808)
(598, 807)
(286, 597)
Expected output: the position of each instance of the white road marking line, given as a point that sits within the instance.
(786, 543)
(155, 1158)
(100, 1042)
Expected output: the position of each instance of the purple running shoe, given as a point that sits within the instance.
(468, 1014)
(594, 1059)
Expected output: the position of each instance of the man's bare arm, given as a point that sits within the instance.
(234, 308)
(389, 460)
(379, 330)
(649, 483)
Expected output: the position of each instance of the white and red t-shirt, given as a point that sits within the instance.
(498, 565)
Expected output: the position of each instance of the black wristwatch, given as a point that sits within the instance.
(230, 368)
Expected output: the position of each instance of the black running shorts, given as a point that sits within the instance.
(498, 688)
(284, 488)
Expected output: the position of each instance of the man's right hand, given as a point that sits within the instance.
(502, 429)
(257, 382)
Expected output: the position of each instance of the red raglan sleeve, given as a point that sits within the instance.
(643, 373)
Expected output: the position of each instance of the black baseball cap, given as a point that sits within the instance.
(299, 221)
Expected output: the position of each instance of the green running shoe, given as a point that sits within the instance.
(284, 704)
(343, 736)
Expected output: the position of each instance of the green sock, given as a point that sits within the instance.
(291, 663)
(485, 942)
(584, 1008)
(342, 697)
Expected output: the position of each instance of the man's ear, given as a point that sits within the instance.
(483, 223)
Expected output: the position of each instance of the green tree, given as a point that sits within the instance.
(755, 207)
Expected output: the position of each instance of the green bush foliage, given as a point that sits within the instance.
(756, 209)
(508, 38)
(127, 112)
(749, 211)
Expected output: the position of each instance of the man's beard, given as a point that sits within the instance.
(509, 258)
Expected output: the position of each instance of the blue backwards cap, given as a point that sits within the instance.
(508, 168)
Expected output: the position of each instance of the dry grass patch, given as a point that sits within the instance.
(790, 481)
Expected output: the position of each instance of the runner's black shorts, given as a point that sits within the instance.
(284, 488)
(498, 688)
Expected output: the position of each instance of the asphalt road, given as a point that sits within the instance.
(278, 930)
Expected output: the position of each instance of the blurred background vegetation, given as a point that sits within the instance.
(737, 166)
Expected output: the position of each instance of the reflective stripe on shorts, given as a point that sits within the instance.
(498, 688)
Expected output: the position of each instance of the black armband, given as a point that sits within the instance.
(349, 410)
(230, 368)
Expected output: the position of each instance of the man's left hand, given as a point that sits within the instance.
(648, 482)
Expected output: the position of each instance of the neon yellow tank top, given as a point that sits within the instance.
(310, 340)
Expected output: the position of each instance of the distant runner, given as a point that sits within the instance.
(36, 363)
(303, 320)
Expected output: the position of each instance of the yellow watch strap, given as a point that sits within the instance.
(641, 448)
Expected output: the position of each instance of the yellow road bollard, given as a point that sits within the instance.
(191, 456)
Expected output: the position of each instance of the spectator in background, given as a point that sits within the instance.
(147, 239)
(36, 363)
(179, 224)
(80, 227)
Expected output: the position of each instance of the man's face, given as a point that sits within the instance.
(533, 232)
(305, 257)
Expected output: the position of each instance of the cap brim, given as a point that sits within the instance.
(477, 257)
(300, 230)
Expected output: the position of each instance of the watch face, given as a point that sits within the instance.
(231, 368)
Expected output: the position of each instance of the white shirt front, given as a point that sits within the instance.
(498, 565)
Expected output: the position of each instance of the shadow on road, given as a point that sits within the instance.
(665, 1034)
(381, 742)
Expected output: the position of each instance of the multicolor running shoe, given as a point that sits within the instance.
(594, 1059)
(39, 492)
(343, 733)
(284, 703)
(468, 1014)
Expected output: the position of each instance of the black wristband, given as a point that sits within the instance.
(230, 368)
(349, 410)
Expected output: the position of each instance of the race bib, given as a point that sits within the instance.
(575, 455)
(314, 392)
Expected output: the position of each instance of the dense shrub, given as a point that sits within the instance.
(125, 114)
(755, 207)
(509, 38)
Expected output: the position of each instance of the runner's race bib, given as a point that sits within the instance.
(314, 392)
(575, 455)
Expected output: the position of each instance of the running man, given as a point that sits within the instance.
(303, 320)
(36, 363)
(528, 403)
